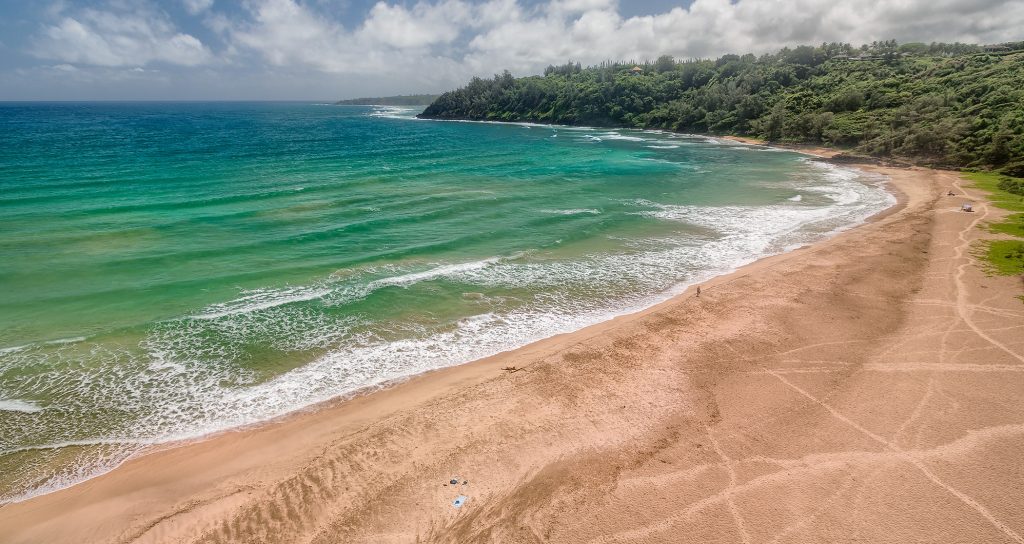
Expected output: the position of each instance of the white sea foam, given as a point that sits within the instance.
(23, 406)
(796, 198)
(395, 112)
(662, 146)
(14, 349)
(72, 340)
(77, 443)
(576, 128)
(623, 137)
(261, 299)
(513, 123)
(763, 230)
(448, 270)
(666, 161)
(574, 211)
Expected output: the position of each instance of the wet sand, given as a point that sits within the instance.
(866, 388)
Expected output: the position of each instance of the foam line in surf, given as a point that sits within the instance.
(262, 299)
(16, 405)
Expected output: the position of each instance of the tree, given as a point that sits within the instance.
(665, 63)
(775, 123)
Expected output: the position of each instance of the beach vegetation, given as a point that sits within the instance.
(997, 186)
(938, 104)
(1012, 225)
(1011, 185)
(1005, 257)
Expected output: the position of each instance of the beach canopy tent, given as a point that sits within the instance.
(967, 207)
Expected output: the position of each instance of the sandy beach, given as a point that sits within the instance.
(863, 389)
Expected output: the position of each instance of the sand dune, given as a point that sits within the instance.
(864, 389)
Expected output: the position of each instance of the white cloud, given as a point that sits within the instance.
(426, 45)
(393, 40)
(286, 34)
(196, 7)
(118, 37)
(448, 39)
(424, 25)
(591, 31)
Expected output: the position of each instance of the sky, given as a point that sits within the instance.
(333, 49)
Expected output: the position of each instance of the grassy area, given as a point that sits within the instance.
(1004, 256)
(1014, 225)
(989, 182)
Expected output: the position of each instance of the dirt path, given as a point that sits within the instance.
(964, 308)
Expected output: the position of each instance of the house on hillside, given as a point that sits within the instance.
(636, 70)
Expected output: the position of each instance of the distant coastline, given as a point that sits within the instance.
(859, 100)
(400, 100)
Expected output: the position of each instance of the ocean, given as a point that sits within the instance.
(168, 270)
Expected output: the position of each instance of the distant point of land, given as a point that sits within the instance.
(401, 100)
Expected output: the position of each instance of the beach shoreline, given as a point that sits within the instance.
(539, 346)
(678, 291)
(446, 422)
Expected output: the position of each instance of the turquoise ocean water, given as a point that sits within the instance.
(170, 270)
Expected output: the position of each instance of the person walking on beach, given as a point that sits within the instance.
(698, 290)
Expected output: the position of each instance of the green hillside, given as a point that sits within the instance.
(942, 104)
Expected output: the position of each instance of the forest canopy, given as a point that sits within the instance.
(940, 104)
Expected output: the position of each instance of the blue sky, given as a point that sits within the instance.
(328, 49)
